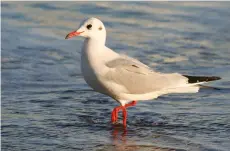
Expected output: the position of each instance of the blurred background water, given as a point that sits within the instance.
(46, 104)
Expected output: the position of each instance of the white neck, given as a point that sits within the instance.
(93, 47)
(99, 39)
(95, 55)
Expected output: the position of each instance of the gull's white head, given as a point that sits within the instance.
(91, 28)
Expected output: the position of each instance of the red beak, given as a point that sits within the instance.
(73, 34)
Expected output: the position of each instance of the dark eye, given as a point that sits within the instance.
(89, 26)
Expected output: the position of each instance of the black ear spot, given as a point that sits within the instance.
(89, 26)
(100, 28)
(135, 66)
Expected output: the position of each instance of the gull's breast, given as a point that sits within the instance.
(90, 74)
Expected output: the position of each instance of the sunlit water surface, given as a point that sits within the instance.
(46, 104)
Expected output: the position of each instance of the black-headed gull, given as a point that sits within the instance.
(123, 78)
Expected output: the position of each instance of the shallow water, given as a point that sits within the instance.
(46, 104)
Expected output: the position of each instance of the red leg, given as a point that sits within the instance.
(114, 115)
(124, 116)
(133, 103)
(115, 111)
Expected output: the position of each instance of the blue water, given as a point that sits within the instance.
(46, 104)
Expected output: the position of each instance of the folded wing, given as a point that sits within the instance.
(137, 78)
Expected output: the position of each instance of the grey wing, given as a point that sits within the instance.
(139, 79)
(125, 60)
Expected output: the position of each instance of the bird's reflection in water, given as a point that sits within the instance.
(119, 138)
(119, 133)
(122, 140)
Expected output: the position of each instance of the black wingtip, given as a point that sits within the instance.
(217, 78)
(196, 79)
